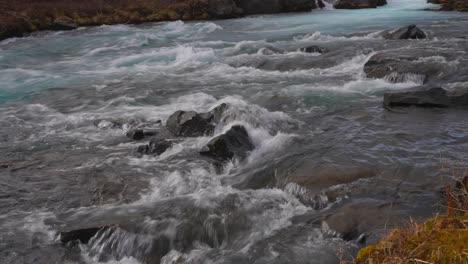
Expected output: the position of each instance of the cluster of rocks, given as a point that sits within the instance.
(234, 143)
(404, 66)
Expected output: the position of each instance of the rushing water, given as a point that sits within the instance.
(310, 116)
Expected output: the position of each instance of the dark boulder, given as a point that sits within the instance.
(81, 235)
(64, 23)
(193, 124)
(409, 32)
(313, 49)
(156, 146)
(427, 97)
(234, 143)
(189, 124)
(140, 134)
(359, 4)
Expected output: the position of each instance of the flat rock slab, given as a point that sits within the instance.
(406, 66)
(428, 97)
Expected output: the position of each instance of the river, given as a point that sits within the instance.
(65, 166)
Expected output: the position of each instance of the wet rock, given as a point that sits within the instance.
(64, 23)
(408, 32)
(398, 67)
(313, 49)
(81, 235)
(325, 186)
(156, 146)
(189, 124)
(193, 124)
(234, 143)
(359, 4)
(428, 97)
(215, 116)
(140, 134)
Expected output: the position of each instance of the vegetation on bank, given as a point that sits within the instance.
(18, 17)
(441, 240)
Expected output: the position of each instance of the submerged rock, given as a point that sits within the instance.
(398, 67)
(409, 32)
(325, 186)
(234, 143)
(427, 97)
(313, 49)
(358, 4)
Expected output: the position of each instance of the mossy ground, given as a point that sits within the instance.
(442, 240)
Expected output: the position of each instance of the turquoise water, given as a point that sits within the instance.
(69, 98)
(95, 56)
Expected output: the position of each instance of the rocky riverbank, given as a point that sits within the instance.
(449, 5)
(19, 19)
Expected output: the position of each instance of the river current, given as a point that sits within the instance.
(64, 165)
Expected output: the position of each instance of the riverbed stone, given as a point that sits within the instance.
(189, 124)
(408, 32)
(235, 143)
(399, 67)
(428, 97)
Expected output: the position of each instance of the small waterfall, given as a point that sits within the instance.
(325, 4)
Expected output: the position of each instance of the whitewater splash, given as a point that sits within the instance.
(328, 158)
